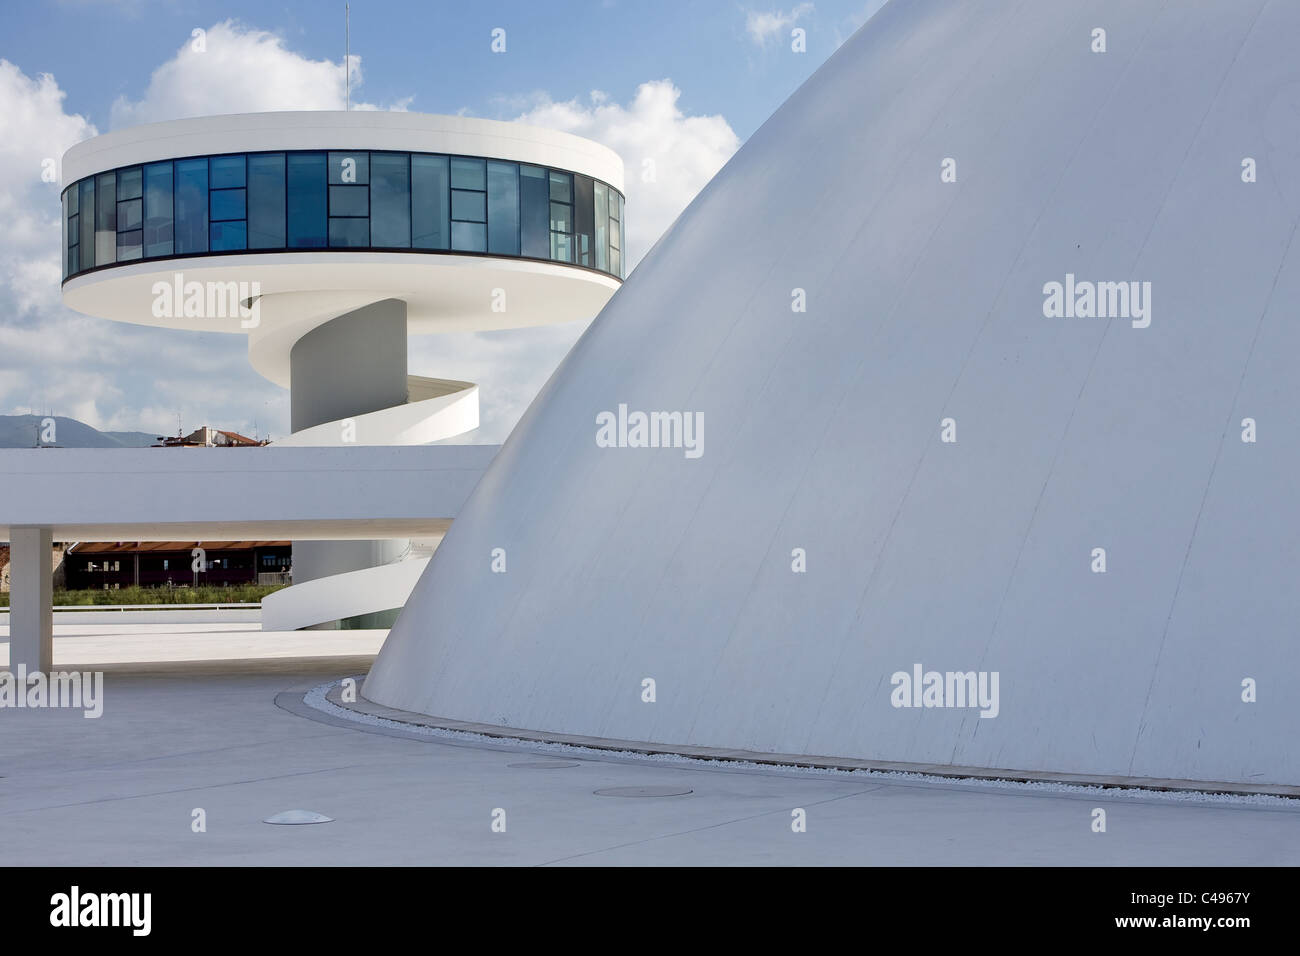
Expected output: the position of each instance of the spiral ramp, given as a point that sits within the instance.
(438, 409)
(356, 583)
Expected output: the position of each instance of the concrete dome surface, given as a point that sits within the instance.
(994, 302)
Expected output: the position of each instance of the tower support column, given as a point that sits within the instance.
(350, 366)
(31, 599)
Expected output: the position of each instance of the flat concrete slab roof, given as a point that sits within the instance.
(141, 494)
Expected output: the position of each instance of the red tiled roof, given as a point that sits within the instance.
(238, 437)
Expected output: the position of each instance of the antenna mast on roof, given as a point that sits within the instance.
(347, 52)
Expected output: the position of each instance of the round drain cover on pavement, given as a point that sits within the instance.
(298, 818)
(543, 764)
(643, 792)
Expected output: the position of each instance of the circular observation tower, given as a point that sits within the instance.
(329, 237)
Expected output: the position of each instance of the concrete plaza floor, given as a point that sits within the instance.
(191, 722)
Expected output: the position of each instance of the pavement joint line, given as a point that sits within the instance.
(79, 768)
(708, 826)
(163, 793)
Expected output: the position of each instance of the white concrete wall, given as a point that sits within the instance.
(338, 129)
(925, 301)
(135, 494)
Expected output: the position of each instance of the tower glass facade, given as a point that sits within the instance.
(341, 199)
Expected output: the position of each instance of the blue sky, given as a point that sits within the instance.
(438, 54)
(683, 83)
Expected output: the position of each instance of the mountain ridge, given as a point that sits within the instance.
(23, 431)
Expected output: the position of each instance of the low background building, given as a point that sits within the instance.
(109, 565)
(206, 437)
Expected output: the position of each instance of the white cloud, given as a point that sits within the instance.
(241, 70)
(763, 27)
(53, 359)
(34, 130)
(667, 155)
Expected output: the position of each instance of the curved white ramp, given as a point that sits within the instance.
(438, 409)
(342, 596)
(835, 305)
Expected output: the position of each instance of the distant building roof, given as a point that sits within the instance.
(131, 547)
(206, 437)
(240, 439)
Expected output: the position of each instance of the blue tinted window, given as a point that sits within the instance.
(349, 169)
(307, 217)
(266, 201)
(129, 184)
(226, 171)
(229, 236)
(534, 212)
(429, 202)
(349, 233)
(503, 208)
(615, 233)
(105, 218)
(228, 204)
(341, 199)
(561, 247)
(70, 236)
(560, 217)
(130, 215)
(86, 202)
(469, 236)
(129, 245)
(390, 200)
(191, 206)
(584, 219)
(561, 190)
(71, 230)
(349, 201)
(600, 193)
(468, 174)
(622, 238)
(468, 206)
(158, 209)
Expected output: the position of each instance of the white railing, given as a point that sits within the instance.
(232, 606)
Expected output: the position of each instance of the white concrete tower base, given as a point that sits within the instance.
(352, 365)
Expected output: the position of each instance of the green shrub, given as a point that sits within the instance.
(242, 594)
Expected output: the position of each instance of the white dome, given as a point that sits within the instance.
(926, 301)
